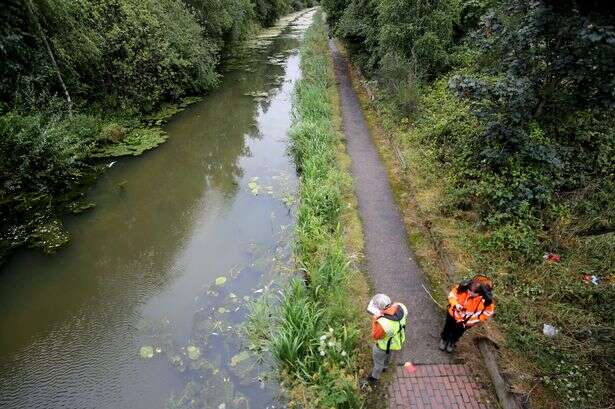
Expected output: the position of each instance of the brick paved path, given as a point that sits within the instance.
(439, 386)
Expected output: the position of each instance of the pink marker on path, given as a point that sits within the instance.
(409, 368)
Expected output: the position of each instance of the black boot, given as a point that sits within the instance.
(368, 383)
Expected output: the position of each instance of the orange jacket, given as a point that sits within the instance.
(468, 310)
(377, 330)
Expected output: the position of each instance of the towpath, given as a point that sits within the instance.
(437, 383)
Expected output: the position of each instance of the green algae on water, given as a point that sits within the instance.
(254, 186)
(135, 143)
(80, 206)
(168, 110)
(199, 395)
(123, 142)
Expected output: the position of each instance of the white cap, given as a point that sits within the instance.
(381, 301)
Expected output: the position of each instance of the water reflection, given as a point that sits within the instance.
(142, 266)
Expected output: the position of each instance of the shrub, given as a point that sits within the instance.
(44, 159)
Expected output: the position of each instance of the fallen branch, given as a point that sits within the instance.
(502, 389)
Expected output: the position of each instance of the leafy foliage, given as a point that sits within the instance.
(527, 70)
(131, 53)
(400, 41)
(512, 102)
(538, 107)
(44, 159)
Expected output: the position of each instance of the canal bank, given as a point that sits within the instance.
(319, 334)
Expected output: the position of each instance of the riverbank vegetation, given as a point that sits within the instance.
(317, 332)
(81, 79)
(500, 119)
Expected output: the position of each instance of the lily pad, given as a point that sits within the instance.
(193, 352)
(146, 352)
(254, 186)
(220, 280)
(50, 235)
(222, 310)
(80, 206)
(242, 356)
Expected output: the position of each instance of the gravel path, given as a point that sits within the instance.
(390, 262)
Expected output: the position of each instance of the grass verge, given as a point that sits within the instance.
(317, 330)
(573, 369)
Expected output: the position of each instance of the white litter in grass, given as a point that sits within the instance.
(549, 330)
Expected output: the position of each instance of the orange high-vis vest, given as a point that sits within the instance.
(471, 310)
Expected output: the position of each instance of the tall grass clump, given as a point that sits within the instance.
(316, 331)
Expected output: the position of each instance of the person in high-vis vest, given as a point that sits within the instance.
(469, 303)
(388, 331)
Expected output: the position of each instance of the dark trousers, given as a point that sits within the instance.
(452, 330)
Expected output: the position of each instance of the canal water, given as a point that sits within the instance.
(145, 307)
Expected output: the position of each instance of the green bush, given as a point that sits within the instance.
(268, 11)
(154, 51)
(42, 155)
(225, 22)
(419, 31)
(383, 31)
(43, 160)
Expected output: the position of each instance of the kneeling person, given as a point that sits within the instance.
(388, 330)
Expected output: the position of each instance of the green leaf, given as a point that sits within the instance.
(254, 186)
(193, 352)
(242, 356)
(146, 352)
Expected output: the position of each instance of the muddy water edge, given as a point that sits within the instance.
(144, 309)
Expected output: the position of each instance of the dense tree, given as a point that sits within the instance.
(539, 75)
(123, 52)
(544, 93)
